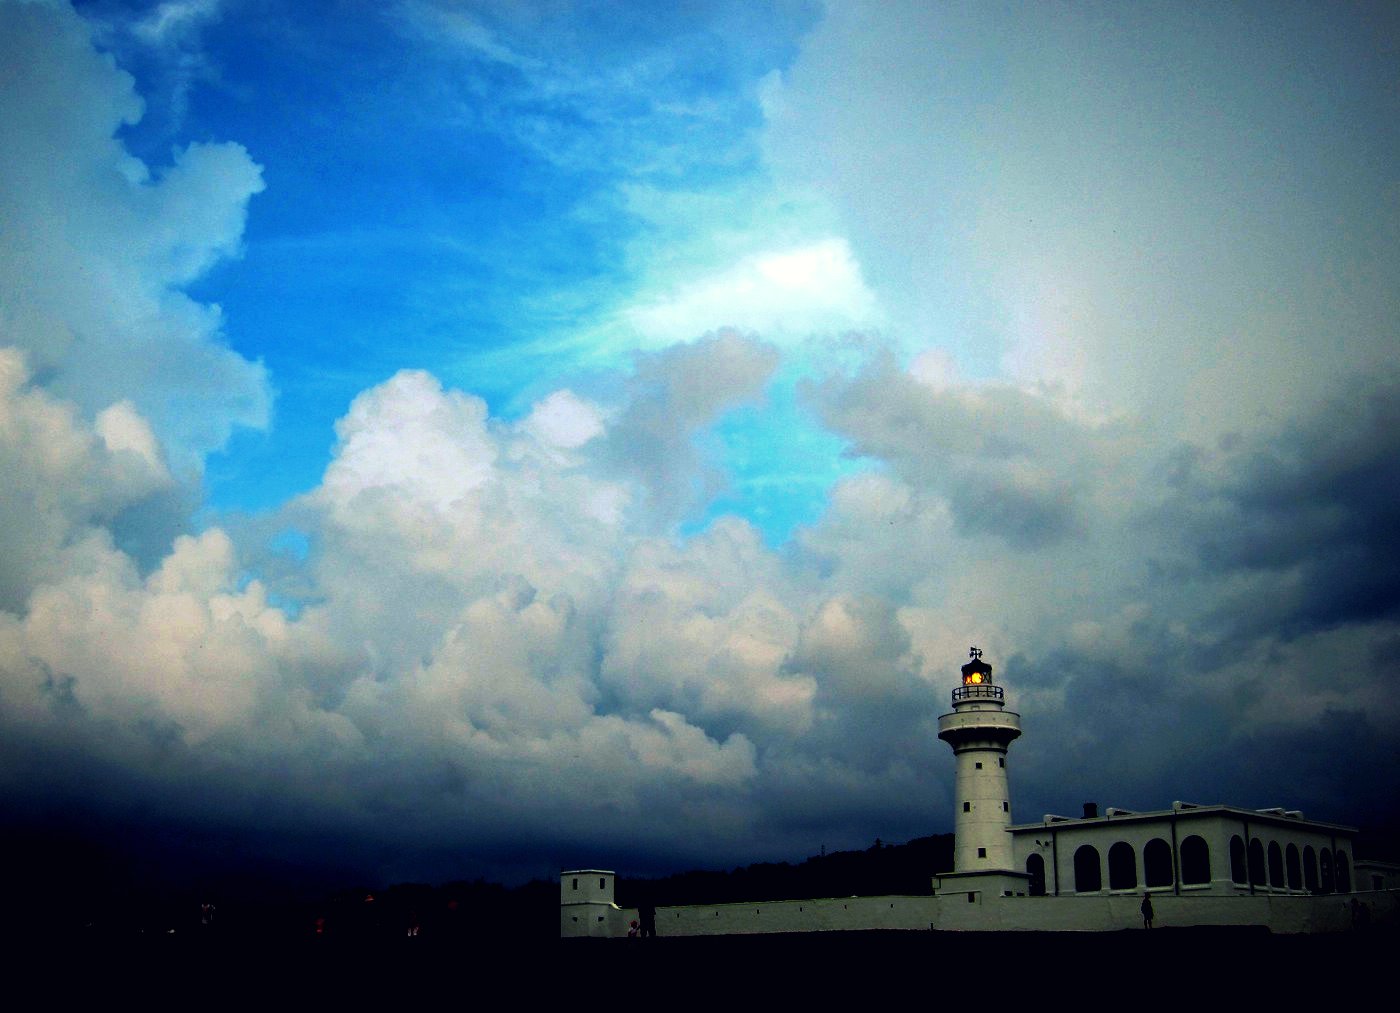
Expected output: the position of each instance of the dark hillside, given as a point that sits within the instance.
(881, 869)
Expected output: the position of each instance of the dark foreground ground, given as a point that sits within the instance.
(1180, 968)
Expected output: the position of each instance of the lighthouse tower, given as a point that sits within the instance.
(980, 729)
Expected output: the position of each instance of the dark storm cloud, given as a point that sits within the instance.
(1009, 464)
(1317, 505)
(1141, 733)
(1199, 613)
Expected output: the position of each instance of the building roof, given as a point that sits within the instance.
(1182, 810)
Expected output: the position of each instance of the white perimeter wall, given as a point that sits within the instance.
(953, 912)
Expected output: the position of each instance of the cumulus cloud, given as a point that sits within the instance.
(564, 420)
(98, 245)
(707, 629)
(64, 481)
(411, 438)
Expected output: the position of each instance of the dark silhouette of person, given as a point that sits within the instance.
(1147, 912)
(646, 914)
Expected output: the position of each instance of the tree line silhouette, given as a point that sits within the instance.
(879, 870)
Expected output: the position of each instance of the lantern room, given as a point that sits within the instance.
(976, 682)
(976, 672)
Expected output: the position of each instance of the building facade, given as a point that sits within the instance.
(1212, 849)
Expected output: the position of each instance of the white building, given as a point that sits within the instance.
(1216, 849)
(1201, 864)
(586, 905)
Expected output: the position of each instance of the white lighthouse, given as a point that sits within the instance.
(980, 729)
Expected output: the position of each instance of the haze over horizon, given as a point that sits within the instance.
(450, 439)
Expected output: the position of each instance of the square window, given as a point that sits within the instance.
(967, 807)
(981, 852)
(979, 766)
(575, 884)
(972, 898)
(1001, 761)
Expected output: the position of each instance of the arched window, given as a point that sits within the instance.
(1035, 868)
(1237, 866)
(1122, 867)
(1088, 877)
(1295, 869)
(1256, 862)
(1275, 864)
(1343, 873)
(1195, 860)
(1310, 869)
(1324, 864)
(1156, 863)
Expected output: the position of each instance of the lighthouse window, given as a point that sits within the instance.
(979, 766)
(1006, 807)
(981, 852)
(1001, 761)
(967, 807)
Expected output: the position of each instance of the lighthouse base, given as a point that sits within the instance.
(983, 883)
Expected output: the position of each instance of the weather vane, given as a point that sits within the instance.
(975, 653)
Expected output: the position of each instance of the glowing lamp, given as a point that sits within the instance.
(976, 672)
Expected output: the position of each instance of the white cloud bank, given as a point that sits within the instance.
(485, 659)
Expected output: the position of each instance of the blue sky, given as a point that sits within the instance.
(501, 436)
(455, 190)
